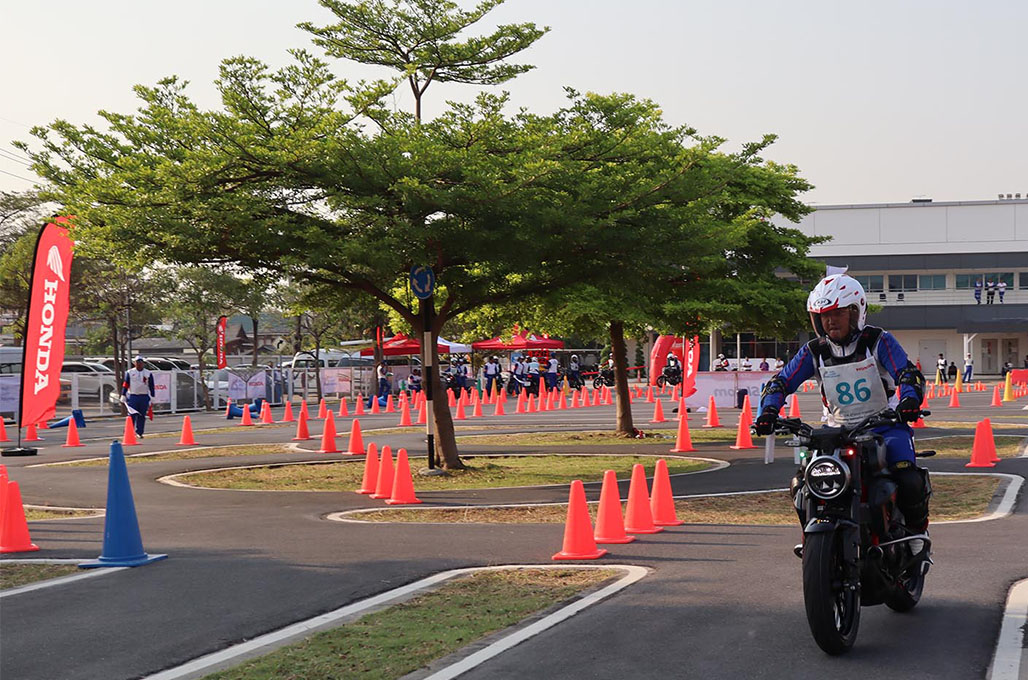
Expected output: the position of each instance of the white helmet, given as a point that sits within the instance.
(670, 355)
(836, 292)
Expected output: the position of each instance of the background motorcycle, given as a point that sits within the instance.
(669, 376)
(855, 550)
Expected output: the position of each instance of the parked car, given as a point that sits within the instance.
(95, 381)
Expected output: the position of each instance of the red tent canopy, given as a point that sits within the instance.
(520, 341)
(401, 344)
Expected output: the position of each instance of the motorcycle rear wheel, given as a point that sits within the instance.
(833, 612)
(908, 593)
(597, 382)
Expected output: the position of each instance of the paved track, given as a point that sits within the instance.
(723, 601)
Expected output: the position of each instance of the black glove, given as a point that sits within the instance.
(908, 409)
(765, 424)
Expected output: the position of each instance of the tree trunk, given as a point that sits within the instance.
(255, 336)
(625, 425)
(119, 372)
(445, 438)
(203, 380)
(298, 335)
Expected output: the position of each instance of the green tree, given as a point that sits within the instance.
(419, 40)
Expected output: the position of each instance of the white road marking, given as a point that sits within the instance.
(1010, 647)
(263, 644)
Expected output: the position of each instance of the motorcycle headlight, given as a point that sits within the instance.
(827, 477)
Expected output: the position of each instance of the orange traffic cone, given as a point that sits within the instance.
(574, 399)
(990, 440)
(712, 419)
(246, 420)
(328, 436)
(403, 484)
(638, 517)
(451, 401)
(228, 407)
(607, 396)
(73, 436)
(562, 404)
(389, 404)
(579, 543)
(303, 410)
(649, 394)
(475, 412)
(597, 394)
(743, 440)
(498, 407)
(405, 415)
(3, 431)
(996, 400)
(356, 445)
(14, 530)
(302, 433)
(266, 418)
(384, 484)
(287, 414)
(662, 502)
(794, 407)
(358, 405)
(370, 470)
(683, 442)
(658, 412)
(322, 409)
(521, 403)
(954, 399)
(460, 411)
(186, 439)
(747, 412)
(530, 404)
(422, 412)
(610, 524)
(128, 437)
(32, 436)
(344, 410)
(980, 456)
(375, 409)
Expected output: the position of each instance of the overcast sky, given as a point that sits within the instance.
(877, 101)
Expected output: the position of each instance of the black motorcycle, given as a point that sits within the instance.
(450, 383)
(604, 377)
(669, 376)
(575, 381)
(855, 550)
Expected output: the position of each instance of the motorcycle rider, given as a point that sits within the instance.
(673, 366)
(574, 371)
(533, 374)
(721, 364)
(845, 350)
(492, 373)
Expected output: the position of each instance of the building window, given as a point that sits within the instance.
(1024, 281)
(966, 281)
(931, 281)
(872, 283)
(899, 283)
(996, 277)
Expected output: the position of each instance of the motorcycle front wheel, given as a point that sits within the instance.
(661, 380)
(597, 382)
(833, 611)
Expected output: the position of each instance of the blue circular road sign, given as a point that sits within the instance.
(422, 281)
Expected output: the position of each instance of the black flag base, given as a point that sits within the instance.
(19, 451)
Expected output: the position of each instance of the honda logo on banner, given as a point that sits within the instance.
(220, 344)
(45, 324)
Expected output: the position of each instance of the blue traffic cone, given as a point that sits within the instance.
(123, 546)
(80, 421)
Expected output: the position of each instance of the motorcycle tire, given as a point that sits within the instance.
(597, 382)
(908, 591)
(661, 381)
(833, 613)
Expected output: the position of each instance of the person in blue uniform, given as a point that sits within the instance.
(136, 392)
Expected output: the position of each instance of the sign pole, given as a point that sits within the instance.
(426, 343)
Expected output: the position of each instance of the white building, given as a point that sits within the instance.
(919, 261)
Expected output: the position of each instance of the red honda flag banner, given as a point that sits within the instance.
(45, 324)
(219, 345)
(692, 365)
(687, 351)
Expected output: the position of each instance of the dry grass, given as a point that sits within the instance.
(961, 497)
(482, 472)
(959, 446)
(36, 512)
(13, 575)
(213, 452)
(596, 438)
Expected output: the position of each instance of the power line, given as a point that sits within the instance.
(12, 157)
(18, 176)
(15, 154)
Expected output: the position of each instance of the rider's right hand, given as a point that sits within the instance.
(765, 424)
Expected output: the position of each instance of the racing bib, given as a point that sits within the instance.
(853, 391)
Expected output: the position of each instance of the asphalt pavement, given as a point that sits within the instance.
(722, 601)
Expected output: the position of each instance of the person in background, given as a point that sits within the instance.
(1001, 288)
(575, 370)
(414, 381)
(764, 366)
(1026, 360)
(940, 367)
(746, 365)
(968, 368)
(551, 373)
(990, 291)
(978, 291)
(492, 373)
(779, 363)
(533, 373)
(383, 380)
(136, 392)
(517, 373)
(952, 370)
(721, 364)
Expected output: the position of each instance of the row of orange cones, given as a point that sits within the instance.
(644, 514)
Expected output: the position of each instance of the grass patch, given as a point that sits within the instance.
(34, 513)
(596, 438)
(962, 497)
(13, 575)
(407, 636)
(959, 446)
(482, 472)
(213, 452)
(955, 425)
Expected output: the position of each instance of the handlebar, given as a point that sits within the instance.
(798, 427)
